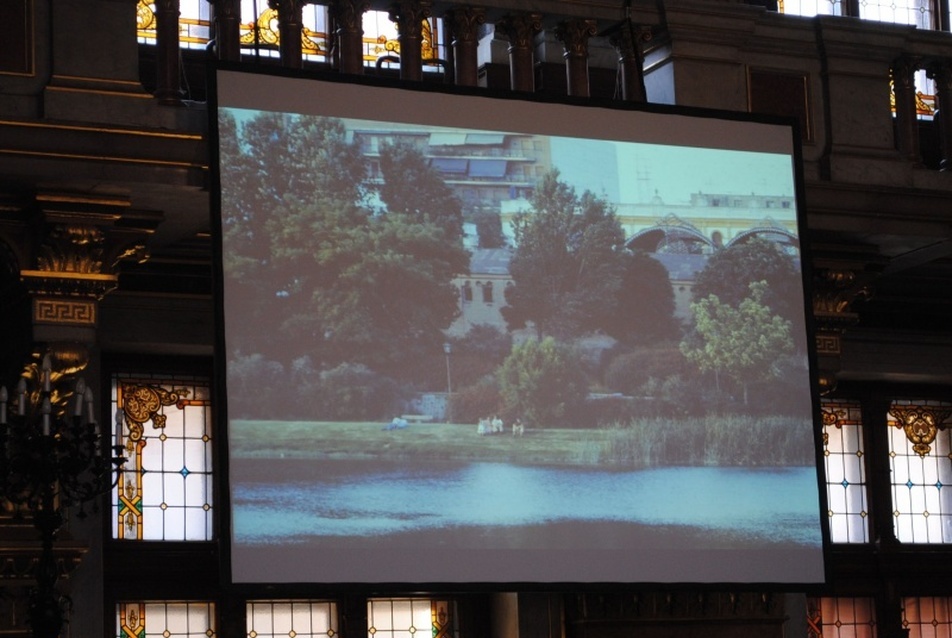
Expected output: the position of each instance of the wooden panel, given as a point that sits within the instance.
(16, 45)
(781, 93)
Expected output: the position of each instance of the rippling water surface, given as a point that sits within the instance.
(314, 499)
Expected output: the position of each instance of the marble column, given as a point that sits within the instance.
(289, 25)
(941, 73)
(464, 24)
(907, 125)
(226, 29)
(168, 67)
(521, 29)
(627, 37)
(409, 16)
(574, 35)
(348, 18)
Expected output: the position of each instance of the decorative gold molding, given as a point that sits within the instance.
(921, 424)
(101, 129)
(19, 560)
(70, 312)
(94, 285)
(104, 158)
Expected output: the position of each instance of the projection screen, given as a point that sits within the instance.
(469, 338)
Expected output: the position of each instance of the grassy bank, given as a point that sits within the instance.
(444, 441)
(712, 440)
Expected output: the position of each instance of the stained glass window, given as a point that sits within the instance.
(410, 618)
(165, 429)
(381, 39)
(194, 23)
(165, 619)
(811, 7)
(844, 461)
(260, 34)
(917, 12)
(920, 460)
(927, 617)
(841, 618)
(298, 618)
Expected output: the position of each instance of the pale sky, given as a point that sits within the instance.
(632, 173)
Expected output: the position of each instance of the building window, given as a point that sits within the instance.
(164, 426)
(841, 618)
(487, 292)
(467, 292)
(410, 618)
(298, 618)
(927, 617)
(165, 620)
(845, 466)
(920, 460)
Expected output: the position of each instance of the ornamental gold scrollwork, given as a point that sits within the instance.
(831, 417)
(141, 403)
(145, 16)
(921, 424)
(264, 30)
(72, 248)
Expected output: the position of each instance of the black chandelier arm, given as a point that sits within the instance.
(52, 458)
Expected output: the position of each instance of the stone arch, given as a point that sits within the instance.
(671, 235)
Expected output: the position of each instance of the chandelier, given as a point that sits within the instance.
(52, 458)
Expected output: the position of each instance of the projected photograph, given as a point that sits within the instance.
(476, 353)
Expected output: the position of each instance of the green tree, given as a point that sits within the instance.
(324, 276)
(568, 265)
(743, 341)
(730, 272)
(489, 229)
(644, 303)
(417, 192)
(540, 382)
(272, 167)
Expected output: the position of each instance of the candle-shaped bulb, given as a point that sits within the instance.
(88, 397)
(80, 393)
(47, 372)
(46, 409)
(3, 404)
(21, 396)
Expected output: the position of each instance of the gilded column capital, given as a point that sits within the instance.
(169, 6)
(409, 16)
(904, 68)
(287, 8)
(835, 289)
(520, 29)
(574, 35)
(348, 14)
(77, 243)
(464, 22)
(940, 72)
(627, 38)
(226, 9)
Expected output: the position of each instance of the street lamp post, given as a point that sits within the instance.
(447, 350)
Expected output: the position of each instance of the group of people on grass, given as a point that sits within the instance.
(495, 425)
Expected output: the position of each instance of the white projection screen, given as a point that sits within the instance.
(476, 339)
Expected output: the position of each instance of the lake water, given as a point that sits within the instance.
(321, 500)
